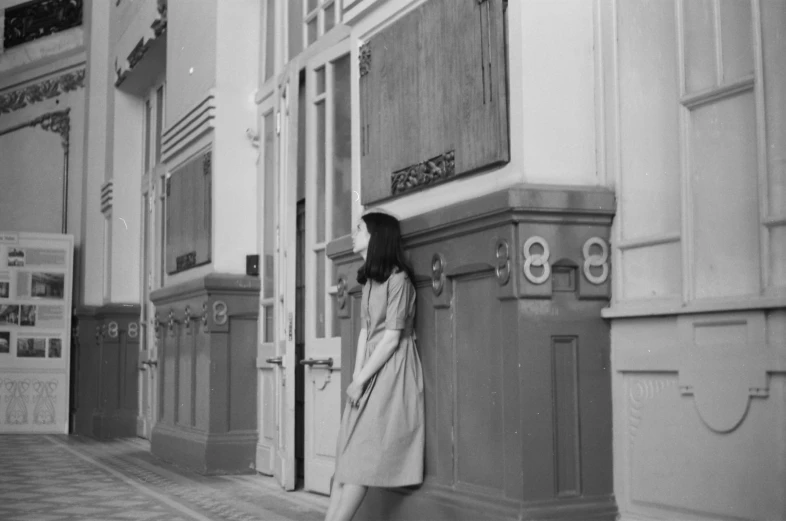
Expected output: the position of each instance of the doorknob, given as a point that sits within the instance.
(324, 361)
(277, 360)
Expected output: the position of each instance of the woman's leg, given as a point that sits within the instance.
(335, 499)
(351, 497)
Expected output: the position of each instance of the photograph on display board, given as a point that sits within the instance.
(44, 257)
(27, 316)
(55, 348)
(22, 284)
(5, 342)
(5, 289)
(31, 347)
(16, 257)
(47, 285)
(9, 314)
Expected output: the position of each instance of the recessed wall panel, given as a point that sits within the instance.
(649, 119)
(773, 21)
(479, 400)
(778, 256)
(652, 272)
(699, 37)
(736, 39)
(724, 183)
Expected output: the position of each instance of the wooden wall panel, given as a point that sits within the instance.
(185, 372)
(516, 373)
(242, 374)
(479, 417)
(188, 218)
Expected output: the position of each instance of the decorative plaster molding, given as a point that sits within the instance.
(191, 126)
(159, 26)
(58, 122)
(143, 45)
(107, 196)
(641, 391)
(423, 174)
(47, 89)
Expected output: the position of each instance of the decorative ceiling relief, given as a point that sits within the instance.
(47, 89)
(32, 20)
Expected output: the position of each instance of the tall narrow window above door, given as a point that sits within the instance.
(320, 16)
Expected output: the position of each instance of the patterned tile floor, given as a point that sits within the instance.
(58, 478)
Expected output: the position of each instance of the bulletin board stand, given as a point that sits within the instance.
(36, 277)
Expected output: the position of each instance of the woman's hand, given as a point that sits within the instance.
(354, 391)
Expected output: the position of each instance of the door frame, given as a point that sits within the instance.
(151, 239)
(324, 375)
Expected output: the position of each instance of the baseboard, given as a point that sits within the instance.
(434, 503)
(205, 453)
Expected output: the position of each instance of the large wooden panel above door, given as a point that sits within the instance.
(433, 94)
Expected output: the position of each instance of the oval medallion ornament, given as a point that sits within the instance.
(502, 270)
(437, 273)
(596, 261)
(133, 329)
(536, 259)
(113, 329)
(220, 312)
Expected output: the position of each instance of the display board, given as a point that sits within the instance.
(36, 274)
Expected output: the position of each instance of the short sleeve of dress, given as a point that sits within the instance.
(399, 292)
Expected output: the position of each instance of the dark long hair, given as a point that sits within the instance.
(385, 249)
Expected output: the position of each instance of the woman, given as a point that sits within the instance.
(381, 440)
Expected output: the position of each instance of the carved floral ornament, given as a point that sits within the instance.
(58, 122)
(364, 60)
(36, 92)
(29, 21)
(428, 172)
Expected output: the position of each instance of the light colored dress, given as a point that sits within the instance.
(381, 441)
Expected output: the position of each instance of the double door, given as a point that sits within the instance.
(304, 158)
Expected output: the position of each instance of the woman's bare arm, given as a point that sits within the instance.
(382, 353)
(361, 350)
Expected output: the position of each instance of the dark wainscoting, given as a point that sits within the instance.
(515, 357)
(105, 376)
(207, 347)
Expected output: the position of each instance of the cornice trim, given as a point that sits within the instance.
(43, 90)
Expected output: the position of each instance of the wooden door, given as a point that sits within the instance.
(328, 205)
(276, 353)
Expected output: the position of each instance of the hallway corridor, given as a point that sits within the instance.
(58, 478)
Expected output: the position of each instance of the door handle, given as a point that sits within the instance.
(324, 361)
(277, 360)
(150, 362)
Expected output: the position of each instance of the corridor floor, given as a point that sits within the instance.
(58, 477)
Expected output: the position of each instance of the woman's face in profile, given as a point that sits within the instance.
(360, 237)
